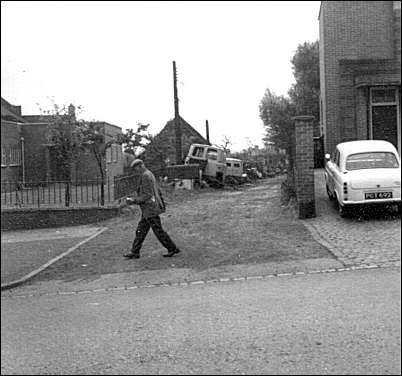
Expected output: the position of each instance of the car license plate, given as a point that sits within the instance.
(377, 195)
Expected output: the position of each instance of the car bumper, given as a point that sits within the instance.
(392, 201)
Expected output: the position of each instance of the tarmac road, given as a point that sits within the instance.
(334, 323)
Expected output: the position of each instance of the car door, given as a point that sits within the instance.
(330, 171)
(337, 176)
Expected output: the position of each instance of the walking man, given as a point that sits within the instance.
(150, 200)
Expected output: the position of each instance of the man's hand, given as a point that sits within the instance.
(126, 201)
(122, 203)
(131, 201)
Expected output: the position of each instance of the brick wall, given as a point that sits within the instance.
(26, 219)
(397, 30)
(116, 164)
(304, 166)
(362, 109)
(86, 166)
(35, 157)
(359, 29)
(10, 137)
(366, 33)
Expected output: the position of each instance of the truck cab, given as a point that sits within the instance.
(211, 159)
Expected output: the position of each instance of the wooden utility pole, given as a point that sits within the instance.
(177, 118)
(207, 131)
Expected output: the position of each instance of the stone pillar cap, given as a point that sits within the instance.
(303, 117)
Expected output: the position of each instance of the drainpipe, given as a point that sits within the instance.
(23, 159)
(207, 131)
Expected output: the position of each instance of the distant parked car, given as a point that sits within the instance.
(253, 173)
(363, 173)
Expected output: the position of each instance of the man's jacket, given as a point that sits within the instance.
(149, 196)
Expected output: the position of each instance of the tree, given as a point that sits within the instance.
(142, 142)
(68, 137)
(276, 112)
(305, 93)
(225, 145)
(132, 140)
(92, 138)
(63, 139)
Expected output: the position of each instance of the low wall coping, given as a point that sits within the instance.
(303, 118)
(75, 208)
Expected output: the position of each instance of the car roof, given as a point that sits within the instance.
(206, 146)
(351, 147)
(233, 160)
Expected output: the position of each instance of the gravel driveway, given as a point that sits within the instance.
(217, 230)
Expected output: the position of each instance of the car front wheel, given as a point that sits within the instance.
(330, 195)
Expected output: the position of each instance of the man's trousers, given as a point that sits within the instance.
(142, 230)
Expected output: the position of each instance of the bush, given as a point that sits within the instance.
(288, 191)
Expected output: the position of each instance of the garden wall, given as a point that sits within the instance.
(26, 219)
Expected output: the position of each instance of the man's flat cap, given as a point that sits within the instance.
(136, 162)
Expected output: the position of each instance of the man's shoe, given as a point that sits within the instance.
(171, 253)
(132, 255)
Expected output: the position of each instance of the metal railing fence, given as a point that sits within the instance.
(38, 194)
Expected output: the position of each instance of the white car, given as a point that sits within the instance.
(363, 173)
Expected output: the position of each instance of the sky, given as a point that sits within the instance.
(114, 59)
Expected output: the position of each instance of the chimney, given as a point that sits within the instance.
(207, 129)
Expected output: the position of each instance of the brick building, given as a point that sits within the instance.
(360, 71)
(162, 150)
(86, 167)
(11, 143)
(27, 156)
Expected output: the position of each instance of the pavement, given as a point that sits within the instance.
(340, 323)
(26, 253)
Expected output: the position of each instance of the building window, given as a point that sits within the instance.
(11, 156)
(108, 155)
(114, 153)
(383, 96)
(3, 157)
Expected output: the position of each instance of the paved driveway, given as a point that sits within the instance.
(374, 238)
(27, 251)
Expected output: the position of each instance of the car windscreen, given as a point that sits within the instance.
(198, 152)
(362, 161)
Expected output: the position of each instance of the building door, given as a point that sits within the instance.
(385, 121)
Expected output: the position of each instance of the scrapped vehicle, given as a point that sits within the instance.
(212, 161)
(234, 171)
(363, 173)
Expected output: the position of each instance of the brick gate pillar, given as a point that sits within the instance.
(304, 166)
